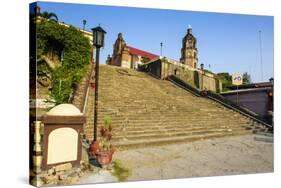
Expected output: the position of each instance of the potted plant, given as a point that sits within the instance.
(106, 150)
(94, 148)
(204, 92)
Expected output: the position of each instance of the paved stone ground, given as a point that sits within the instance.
(215, 157)
(100, 177)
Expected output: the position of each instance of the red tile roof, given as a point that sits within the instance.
(138, 52)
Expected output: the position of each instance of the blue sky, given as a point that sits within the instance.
(226, 42)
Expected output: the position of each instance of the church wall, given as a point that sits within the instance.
(190, 76)
(180, 71)
(154, 68)
(135, 59)
(126, 60)
(116, 61)
(163, 68)
(186, 75)
(209, 83)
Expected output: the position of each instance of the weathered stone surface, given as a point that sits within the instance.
(212, 157)
(44, 81)
(101, 177)
(51, 171)
(80, 174)
(64, 110)
(85, 156)
(62, 177)
(63, 167)
(49, 179)
(69, 180)
(73, 179)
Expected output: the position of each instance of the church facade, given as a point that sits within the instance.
(130, 57)
(162, 67)
(127, 56)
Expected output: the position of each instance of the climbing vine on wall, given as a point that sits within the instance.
(76, 50)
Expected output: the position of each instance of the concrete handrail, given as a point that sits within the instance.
(229, 104)
(219, 99)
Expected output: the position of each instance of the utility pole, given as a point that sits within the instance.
(161, 46)
(261, 64)
(84, 23)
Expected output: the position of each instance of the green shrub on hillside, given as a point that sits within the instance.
(226, 80)
(76, 55)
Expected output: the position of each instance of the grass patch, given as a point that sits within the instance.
(121, 172)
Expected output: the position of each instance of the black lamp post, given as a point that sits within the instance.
(98, 42)
(202, 69)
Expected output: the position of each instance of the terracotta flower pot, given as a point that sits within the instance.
(94, 148)
(105, 157)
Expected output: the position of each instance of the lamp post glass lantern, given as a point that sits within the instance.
(98, 37)
(98, 42)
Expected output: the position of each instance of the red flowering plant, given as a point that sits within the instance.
(106, 149)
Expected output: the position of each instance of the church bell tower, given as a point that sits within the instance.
(189, 49)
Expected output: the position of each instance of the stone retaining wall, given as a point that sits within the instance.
(164, 67)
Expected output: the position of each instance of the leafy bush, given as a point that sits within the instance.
(77, 54)
(121, 172)
(226, 80)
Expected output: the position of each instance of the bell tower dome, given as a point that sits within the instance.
(189, 50)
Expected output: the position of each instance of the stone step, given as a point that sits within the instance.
(147, 119)
(160, 111)
(159, 134)
(139, 129)
(128, 144)
(151, 122)
(149, 111)
(168, 122)
(179, 130)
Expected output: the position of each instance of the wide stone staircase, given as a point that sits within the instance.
(146, 111)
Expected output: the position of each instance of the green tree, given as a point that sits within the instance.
(49, 16)
(145, 60)
(226, 80)
(247, 78)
